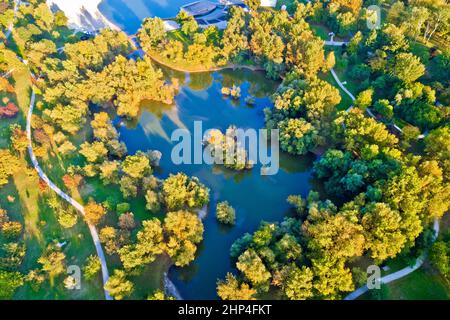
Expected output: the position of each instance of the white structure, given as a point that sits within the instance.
(83, 15)
(170, 25)
(269, 3)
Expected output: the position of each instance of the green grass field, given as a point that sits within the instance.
(423, 284)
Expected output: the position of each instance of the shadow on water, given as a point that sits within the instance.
(255, 197)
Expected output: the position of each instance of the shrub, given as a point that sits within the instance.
(225, 213)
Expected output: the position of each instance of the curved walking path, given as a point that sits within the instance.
(44, 177)
(66, 197)
(398, 274)
(420, 260)
(341, 85)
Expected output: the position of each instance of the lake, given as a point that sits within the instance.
(128, 14)
(256, 198)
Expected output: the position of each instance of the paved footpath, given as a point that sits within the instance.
(66, 197)
(399, 274)
(419, 262)
(43, 176)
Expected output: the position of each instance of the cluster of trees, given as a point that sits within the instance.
(308, 257)
(386, 200)
(421, 19)
(303, 112)
(179, 195)
(269, 38)
(83, 72)
(12, 254)
(440, 255)
(8, 165)
(197, 47)
(404, 78)
(225, 213)
(8, 108)
(6, 16)
(227, 150)
(177, 237)
(96, 71)
(276, 257)
(342, 16)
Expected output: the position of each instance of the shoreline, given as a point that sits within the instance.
(204, 70)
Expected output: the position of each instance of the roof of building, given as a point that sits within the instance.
(199, 8)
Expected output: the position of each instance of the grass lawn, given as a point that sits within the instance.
(320, 31)
(55, 167)
(341, 70)
(26, 203)
(346, 101)
(423, 284)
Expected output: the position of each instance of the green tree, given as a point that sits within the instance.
(335, 236)
(136, 166)
(9, 283)
(189, 26)
(152, 33)
(11, 229)
(94, 152)
(299, 283)
(160, 295)
(233, 289)
(118, 286)
(180, 191)
(407, 67)
(103, 128)
(382, 230)
(331, 278)
(94, 212)
(53, 261)
(297, 136)
(110, 238)
(364, 99)
(437, 147)
(8, 165)
(440, 257)
(153, 201)
(384, 108)
(67, 218)
(128, 187)
(92, 267)
(183, 231)
(251, 265)
(234, 40)
(109, 172)
(148, 246)
(225, 213)
(253, 4)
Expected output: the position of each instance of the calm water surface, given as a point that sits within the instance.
(254, 197)
(128, 14)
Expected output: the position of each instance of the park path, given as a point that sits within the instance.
(11, 25)
(44, 177)
(66, 197)
(399, 274)
(420, 260)
(357, 293)
(342, 86)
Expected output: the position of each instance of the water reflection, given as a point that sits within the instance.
(254, 197)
